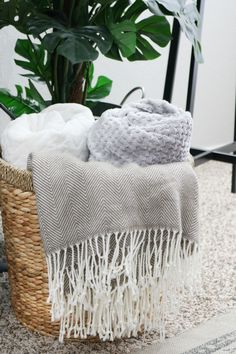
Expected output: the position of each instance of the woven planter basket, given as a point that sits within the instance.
(27, 267)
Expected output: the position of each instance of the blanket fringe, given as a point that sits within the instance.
(121, 293)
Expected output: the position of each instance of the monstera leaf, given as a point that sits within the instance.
(34, 59)
(77, 44)
(17, 104)
(102, 87)
(132, 38)
(188, 16)
(34, 96)
(156, 29)
(18, 12)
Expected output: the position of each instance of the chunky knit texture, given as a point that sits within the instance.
(147, 132)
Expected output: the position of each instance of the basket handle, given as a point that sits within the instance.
(131, 91)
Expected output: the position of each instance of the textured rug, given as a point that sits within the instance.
(217, 336)
(218, 232)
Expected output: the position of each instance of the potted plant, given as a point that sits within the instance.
(64, 38)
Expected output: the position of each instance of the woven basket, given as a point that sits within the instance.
(27, 267)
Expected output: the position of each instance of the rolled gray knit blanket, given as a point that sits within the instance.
(146, 132)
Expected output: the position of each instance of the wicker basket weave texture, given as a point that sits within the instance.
(24, 251)
(27, 268)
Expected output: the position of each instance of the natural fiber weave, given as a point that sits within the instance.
(25, 255)
(18, 178)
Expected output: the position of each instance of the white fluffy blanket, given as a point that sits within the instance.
(146, 132)
(58, 128)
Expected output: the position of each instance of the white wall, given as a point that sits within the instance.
(8, 70)
(215, 96)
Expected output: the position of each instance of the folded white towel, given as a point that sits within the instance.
(58, 128)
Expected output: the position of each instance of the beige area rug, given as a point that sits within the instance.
(215, 336)
(218, 231)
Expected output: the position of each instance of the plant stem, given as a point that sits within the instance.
(68, 9)
(86, 84)
(55, 74)
(71, 12)
(61, 4)
(65, 79)
(76, 91)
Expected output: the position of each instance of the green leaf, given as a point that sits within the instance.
(37, 61)
(7, 13)
(98, 34)
(135, 40)
(24, 65)
(81, 13)
(42, 22)
(135, 10)
(114, 53)
(156, 28)
(16, 104)
(78, 44)
(144, 51)
(124, 35)
(19, 90)
(101, 89)
(122, 27)
(18, 13)
(36, 96)
(119, 8)
(77, 51)
(91, 73)
(51, 40)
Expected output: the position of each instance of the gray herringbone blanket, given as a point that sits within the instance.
(120, 243)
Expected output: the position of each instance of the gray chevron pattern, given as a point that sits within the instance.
(78, 200)
(116, 241)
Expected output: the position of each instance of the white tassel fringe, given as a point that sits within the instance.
(125, 295)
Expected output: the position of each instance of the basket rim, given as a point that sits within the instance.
(17, 177)
(23, 179)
